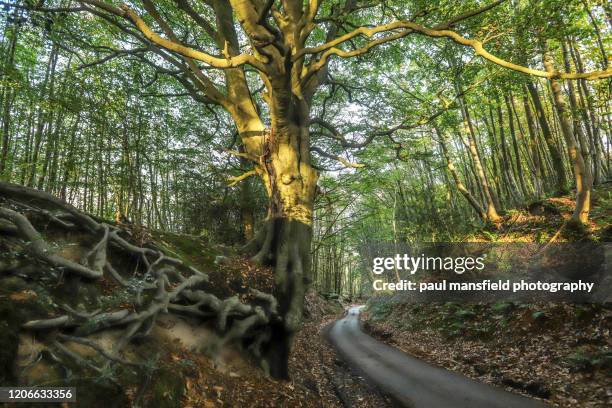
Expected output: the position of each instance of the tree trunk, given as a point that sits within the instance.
(43, 115)
(591, 120)
(460, 186)
(491, 211)
(555, 155)
(246, 205)
(6, 104)
(581, 171)
(285, 246)
(602, 48)
(539, 175)
(517, 158)
(495, 174)
(284, 242)
(507, 169)
(577, 126)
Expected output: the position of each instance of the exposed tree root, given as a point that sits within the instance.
(39, 248)
(170, 285)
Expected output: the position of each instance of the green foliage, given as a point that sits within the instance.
(502, 307)
(380, 307)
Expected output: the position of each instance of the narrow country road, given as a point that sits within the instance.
(412, 382)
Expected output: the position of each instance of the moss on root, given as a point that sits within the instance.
(191, 249)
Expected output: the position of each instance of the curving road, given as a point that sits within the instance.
(412, 382)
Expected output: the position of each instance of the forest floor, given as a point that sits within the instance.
(560, 353)
(319, 377)
(180, 371)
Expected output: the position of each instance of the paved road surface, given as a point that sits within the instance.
(412, 382)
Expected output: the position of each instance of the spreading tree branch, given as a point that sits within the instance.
(215, 62)
(340, 159)
(400, 29)
(237, 179)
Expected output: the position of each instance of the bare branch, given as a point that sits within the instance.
(341, 159)
(243, 155)
(186, 7)
(333, 133)
(115, 54)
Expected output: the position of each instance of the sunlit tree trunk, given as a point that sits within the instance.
(455, 175)
(581, 172)
(282, 160)
(491, 211)
(590, 118)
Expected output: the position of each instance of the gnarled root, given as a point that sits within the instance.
(174, 287)
(39, 248)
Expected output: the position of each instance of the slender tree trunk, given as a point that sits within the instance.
(581, 171)
(7, 102)
(539, 176)
(517, 157)
(28, 145)
(455, 175)
(42, 116)
(491, 210)
(602, 48)
(394, 228)
(557, 160)
(247, 212)
(524, 146)
(506, 158)
(590, 118)
(577, 126)
(495, 172)
(51, 135)
(6, 134)
(69, 158)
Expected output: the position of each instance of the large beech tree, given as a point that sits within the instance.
(234, 53)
